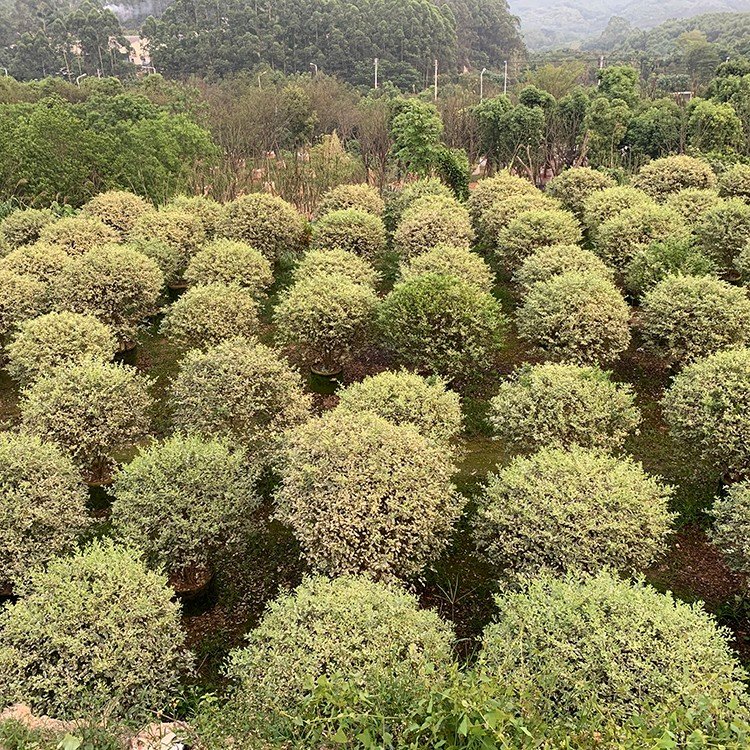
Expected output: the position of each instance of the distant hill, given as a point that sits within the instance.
(548, 24)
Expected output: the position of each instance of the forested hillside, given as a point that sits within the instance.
(560, 24)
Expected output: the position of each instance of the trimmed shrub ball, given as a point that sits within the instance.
(351, 229)
(429, 223)
(563, 405)
(731, 527)
(365, 495)
(23, 226)
(361, 196)
(575, 317)
(118, 209)
(576, 509)
(336, 262)
(674, 173)
(451, 260)
(573, 186)
(101, 617)
(78, 234)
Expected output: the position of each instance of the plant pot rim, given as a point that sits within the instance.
(326, 372)
(191, 581)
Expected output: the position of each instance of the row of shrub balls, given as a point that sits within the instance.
(367, 487)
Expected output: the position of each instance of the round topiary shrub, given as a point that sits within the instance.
(351, 229)
(671, 174)
(735, 182)
(96, 634)
(21, 297)
(706, 408)
(451, 260)
(603, 646)
(577, 509)
(742, 263)
(231, 262)
(443, 326)
(553, 260)
(688, 317)
(336, 262)
(606, 204)
(397, 203)
(93, 409)
(427, 224)
(618, 239)
(724, 230)
(266, 222)
(669, 257)
(41, 262)
(239, 390)
(118, 209)
(575, 317)
(363, 197)
(171, 261)
(496, 218)
(563, 405)
(493, 189)
(179, 230)
(327, 318)
(42, 505)
(114, 283)
(531, 230)
(692, 203)
(78, 234)
(55, 339)
(206, 315)
(209, 212)
(23, 226)
(731, 527)
(370, 633)
(573, 186)
(365, 495)
(182, 500)
(407, 398)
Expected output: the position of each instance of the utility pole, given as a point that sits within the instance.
(376, 72)
(436, 72)
(505, 78)
(481, 85)
(259, 75)
(78, 79)
(315, 68)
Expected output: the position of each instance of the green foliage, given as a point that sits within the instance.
(724, 230)
(398, 203)
(181, 500)
(359, 232)
(21, 298)
(96, 632)
(327, 317)
(206, 315)
(706, 409)
(238, 390)
(573, 186)
(575, 317)
(363, 197)
(40, 261)
(494, 189)
(230, 262)
(531, 230)
(114, 283)
(608, 203)
(451, 260)
(662, 258)
(266, 222)
(42, 504)
(572, 510)
(735, 182)
(92, 409)
(118, 209)
(671, 174)
(48, 341)
(568, 645)
(496, 218)
(78, 234)
(404, 397)
(23, 226)
(731, 526)
(442, 325)
(336, 262)
(553, 260)
(207, 210)
(563, 405)
(374, 634)
(452, 164)
(415, 131)
(713, 126)
(692, 203)
(620, 238)
(365, 495)
(688, 317)
(429, 222)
